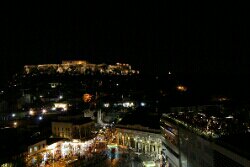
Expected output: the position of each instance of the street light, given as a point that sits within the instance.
(15, 124)
(143, 104)
(31, 112)
(181, 88)
(44, 111)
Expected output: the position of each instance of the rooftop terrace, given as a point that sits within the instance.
(206, 125)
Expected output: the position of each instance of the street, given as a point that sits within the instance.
(100, 151)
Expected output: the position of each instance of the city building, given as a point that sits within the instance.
(140, 139)
(140, 135)
(73, 128)
(36, 147)
(39, 150)
(199, 142)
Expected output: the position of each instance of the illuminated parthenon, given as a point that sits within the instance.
(80, 67)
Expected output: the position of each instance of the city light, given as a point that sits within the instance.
(31, 112)
(106, 105)
(75, 141)
(13, 115)
(128, 104)
(44, 111)
(60, 97)
(230, 117)
(64, 106)
(181, 88)
(212, 131)
(222, 99)
(149, 163)
(112, 146)
(52, 146)
(40, 117)
(15, 124)
(87, 97)
(117, 69)
(143, 104)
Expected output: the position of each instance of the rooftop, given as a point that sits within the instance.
(54, 140)
(49, 141)
(209, 124)
(75, 121)
(141, 120)
(226, 131)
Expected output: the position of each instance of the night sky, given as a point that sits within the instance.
(184, 37)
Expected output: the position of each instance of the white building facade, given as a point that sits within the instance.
(139, 139)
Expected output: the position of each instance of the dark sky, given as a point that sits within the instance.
(184, 37)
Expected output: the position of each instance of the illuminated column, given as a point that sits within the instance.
(120, 138)
(144, 147)
(129, 142)
(152, 148)
(147, 147)
(157, 148)
(117, 138)
(123, 140)
(139, 146)
(99, 117)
